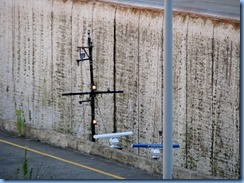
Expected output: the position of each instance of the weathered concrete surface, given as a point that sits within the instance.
(38, 51)
(127, 71)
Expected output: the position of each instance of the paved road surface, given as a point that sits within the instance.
(50, 162)
(222, 8)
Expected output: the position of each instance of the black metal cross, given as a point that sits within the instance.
(84, 55)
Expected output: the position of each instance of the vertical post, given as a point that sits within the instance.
(167, 99)
(92, 95)
(90, 58)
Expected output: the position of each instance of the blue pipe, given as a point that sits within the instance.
(152, 146)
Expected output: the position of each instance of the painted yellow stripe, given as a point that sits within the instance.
(61, 159)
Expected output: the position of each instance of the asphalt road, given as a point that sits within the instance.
(50, 162)
(222, 8)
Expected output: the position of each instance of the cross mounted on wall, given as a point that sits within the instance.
(85, 53)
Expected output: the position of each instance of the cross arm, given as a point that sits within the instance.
(92, 92)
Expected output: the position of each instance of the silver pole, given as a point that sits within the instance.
(167, 98)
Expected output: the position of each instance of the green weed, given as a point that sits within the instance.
(25, 171)
(20, 122)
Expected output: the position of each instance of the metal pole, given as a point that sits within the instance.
(90, 58)
(167, 99)
(92, 95)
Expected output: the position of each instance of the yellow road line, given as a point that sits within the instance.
(61, 159)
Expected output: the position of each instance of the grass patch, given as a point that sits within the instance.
(20, 122)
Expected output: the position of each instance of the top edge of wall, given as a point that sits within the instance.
(181, 12)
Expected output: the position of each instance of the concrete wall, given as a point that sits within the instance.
(38, 43)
